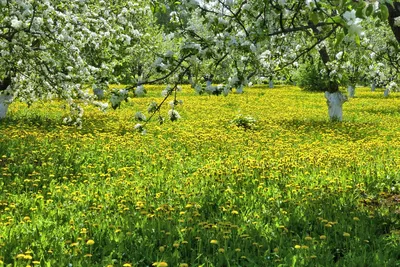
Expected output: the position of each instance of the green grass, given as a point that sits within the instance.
(294, 190)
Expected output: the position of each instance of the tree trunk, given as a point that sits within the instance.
(98, 91)
(373, 87)
(351, 90)
(239, 89)
(394, 12)
(5, 101)
(386, 92)
(271, 84)
(335, 102)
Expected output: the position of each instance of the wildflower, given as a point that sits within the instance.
(346, 234)
(221, 250)
(183, 265)
(356, 218)
(322, 237)
(160, 264)
(88, 255)
(161, 249)
(90, 242)
(297, 247)
(235, 212)
(308, 238)
(215, 242)
(127, 265)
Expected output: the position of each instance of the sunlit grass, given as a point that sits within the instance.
(296, 190)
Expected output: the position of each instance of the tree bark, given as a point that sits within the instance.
(335, 102)
(5, 83)
(351, 90)
(394, 12)
(5, 101)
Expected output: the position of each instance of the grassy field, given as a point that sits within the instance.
(296, 190)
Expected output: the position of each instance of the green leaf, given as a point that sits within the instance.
(336, 19)
(357, 39)
(339, 38)
(369, 10)
(360, 12)
(314, 18)
(384, 12)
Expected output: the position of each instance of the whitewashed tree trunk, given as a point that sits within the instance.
(351, 90)
(335, 102)
(373, 87)
(271, 84)
(386, 92)
(5, 101)
(239, 89)
(208, 83)
(98, 91)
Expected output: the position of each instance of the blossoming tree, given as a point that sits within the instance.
(54, 48)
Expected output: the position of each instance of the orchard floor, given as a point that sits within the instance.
(295, 190)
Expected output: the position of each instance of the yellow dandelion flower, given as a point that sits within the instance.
(160, 264)
(127, 265)
(297, 247)
(88, 255)
(215, 242)
(183, 265)
(20, 256)
(27, 257)
(36, 262)
(313, 257)
(235, 212)
(308, 238)
(221, 250)
(356, 218)
(346, 234)
(238, 250)
(322, 237)
(90, 242)
(161, 249)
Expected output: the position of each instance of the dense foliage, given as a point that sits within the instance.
(293, 190)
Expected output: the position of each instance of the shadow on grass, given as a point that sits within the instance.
(350, 130)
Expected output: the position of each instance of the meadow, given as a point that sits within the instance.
(294, 190)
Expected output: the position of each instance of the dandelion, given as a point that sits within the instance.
(160, 264)
(221, 250)
(90, 242)
(88, 255)
(214, 242)
(20, 256)
(161, 249)
(127, 265)
(356, 218)
(322, 237)
(346, 234)
(308, 238)
(297, 247)
(183, 265)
